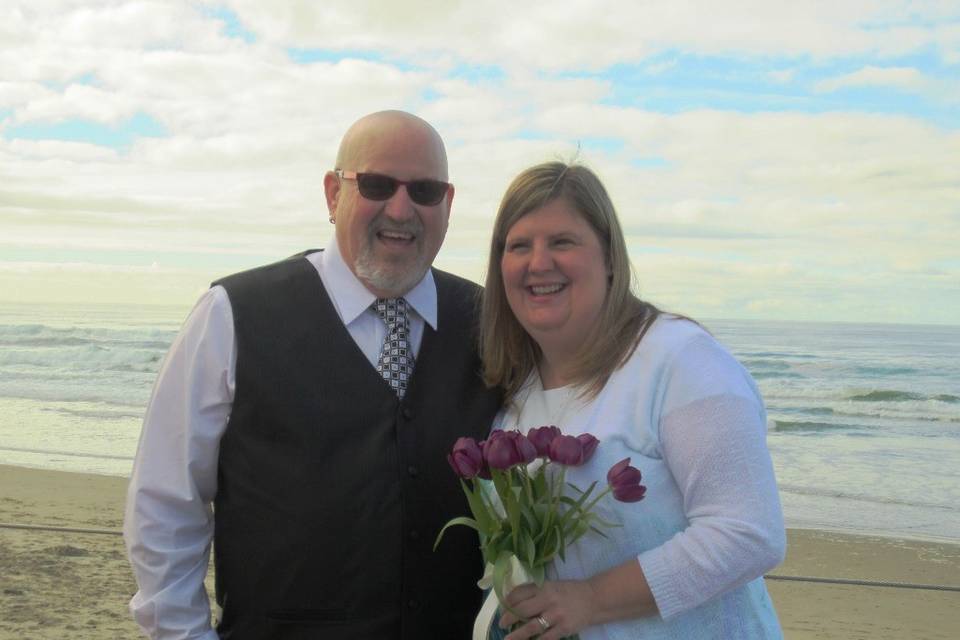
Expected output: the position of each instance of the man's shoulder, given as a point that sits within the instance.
(458, 300)
(454, 285)
(267, 273)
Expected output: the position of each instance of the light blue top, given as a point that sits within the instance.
(691, 419)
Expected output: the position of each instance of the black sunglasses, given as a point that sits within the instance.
(376, 186)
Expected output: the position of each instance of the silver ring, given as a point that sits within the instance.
(543, 623)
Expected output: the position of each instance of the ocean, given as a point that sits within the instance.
(864, 419)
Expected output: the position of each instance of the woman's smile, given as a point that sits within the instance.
(555, 275)
(545, 289)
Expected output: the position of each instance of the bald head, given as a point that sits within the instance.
(388, 241)
(397, 129)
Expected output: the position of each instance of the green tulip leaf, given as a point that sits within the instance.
(463, 520)
(530, 550)
(478, 508)
(500, 570)
(540, 487)
(538, 574)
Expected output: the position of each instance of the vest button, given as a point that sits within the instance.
(413, 471)
(407, 413)
(413, 604)
(414, 534)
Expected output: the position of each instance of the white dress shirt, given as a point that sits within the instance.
(168, 525)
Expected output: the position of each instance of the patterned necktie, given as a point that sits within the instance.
(396, 357)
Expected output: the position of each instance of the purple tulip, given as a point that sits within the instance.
(566, 450)
(485, 468)
(505, 449)
(573, 451)
(501, 454)
(589, 446)
(541, 437)
(528, 452)
(486, 444)
(624, 481)
(466, 459)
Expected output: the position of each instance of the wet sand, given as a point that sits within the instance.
(77, 585)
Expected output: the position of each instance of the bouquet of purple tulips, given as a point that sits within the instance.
(532, 519)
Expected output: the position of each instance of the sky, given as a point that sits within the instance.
(773, 160)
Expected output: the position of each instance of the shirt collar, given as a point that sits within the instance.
(352, 298)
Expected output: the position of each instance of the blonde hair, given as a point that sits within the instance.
(509, 353)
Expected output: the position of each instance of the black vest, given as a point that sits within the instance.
(331, 491)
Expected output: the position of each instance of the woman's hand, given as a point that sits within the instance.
(568, 606)
(565, 605)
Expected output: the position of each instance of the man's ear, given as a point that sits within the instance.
(449, 199)
(331, 192)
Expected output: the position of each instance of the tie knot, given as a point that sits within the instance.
(391, 310)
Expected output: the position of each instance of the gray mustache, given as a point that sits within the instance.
(383, 223)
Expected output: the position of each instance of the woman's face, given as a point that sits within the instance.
(555, 275)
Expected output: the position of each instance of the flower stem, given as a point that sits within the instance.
(589, 506)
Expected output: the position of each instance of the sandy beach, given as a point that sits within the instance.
(77, 585)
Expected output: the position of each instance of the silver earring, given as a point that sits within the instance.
(332, 221)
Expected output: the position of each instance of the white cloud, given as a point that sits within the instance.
(54, 152)
(902, 78)
(782, 76)
(603, 32)
(17, 93)
(77, 101)
(728, 213)
(23, 268)
(659, 68)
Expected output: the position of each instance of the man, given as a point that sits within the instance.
(288, 402)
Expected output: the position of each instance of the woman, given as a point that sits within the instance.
(572, 346)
